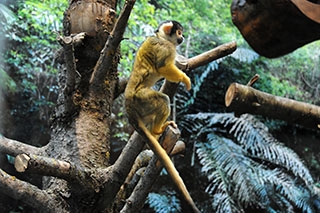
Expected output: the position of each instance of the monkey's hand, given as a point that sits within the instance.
(172, 123)
(187, 82)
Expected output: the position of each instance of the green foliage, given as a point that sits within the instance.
(29, 60)
(199, 18)
(247, 167)
(300, 69)
(164, 203)
(6, 82)
(28, 70)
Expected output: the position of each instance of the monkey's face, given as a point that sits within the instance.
(179, 35)
(171, 31)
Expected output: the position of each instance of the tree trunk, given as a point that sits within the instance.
(80, 132)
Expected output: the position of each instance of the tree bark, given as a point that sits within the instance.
(244, 99)
(136, 200)
(274, 27)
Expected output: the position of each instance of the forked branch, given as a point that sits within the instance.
(109, 51)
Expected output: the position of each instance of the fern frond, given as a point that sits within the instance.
(289, 188)
(197, 123)
(252, 169)
(254, 137)
(230, 174)
(164, 203)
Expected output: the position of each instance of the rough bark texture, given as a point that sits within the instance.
(244, 99)
(135, 202)
(80, 132)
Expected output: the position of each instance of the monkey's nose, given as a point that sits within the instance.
(180, 40)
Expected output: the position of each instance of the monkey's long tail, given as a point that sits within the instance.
(166, 161)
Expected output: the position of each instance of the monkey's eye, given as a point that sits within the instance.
(179, 33)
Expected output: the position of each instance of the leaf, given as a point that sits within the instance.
(164, 203)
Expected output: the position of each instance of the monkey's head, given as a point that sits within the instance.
(171, 31)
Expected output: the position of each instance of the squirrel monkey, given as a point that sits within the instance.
(147, 109)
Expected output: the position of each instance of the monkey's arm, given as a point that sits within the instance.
(173, 74)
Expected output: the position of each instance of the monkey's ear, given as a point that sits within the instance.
(167, 27)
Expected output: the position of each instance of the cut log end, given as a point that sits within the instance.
(21, 162)
(230, 94)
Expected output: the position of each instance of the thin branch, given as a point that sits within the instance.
(106, 58)
(120, 87)
(211, 55)
(141, 161)
(133, 177)
(223, 50)
(30, 194)
(122, 166)
(68, 46)
(253, 80)
(13, 147)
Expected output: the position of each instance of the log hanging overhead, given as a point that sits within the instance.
(276, 27)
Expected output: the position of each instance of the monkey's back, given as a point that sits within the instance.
(152, 54)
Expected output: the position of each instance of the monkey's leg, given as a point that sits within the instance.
(161, 113)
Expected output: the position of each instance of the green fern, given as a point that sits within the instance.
(168, 203)
(247, 167)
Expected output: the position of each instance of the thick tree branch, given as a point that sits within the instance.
(179, 148)
(136, 200)
(244, 99)
(13, 147)
(122, 166)
(106, 58)
(56, 168)
(30, 194)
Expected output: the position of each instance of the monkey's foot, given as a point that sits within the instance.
(164, 126)
(172, 123)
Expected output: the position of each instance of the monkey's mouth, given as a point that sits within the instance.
(180, 40)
